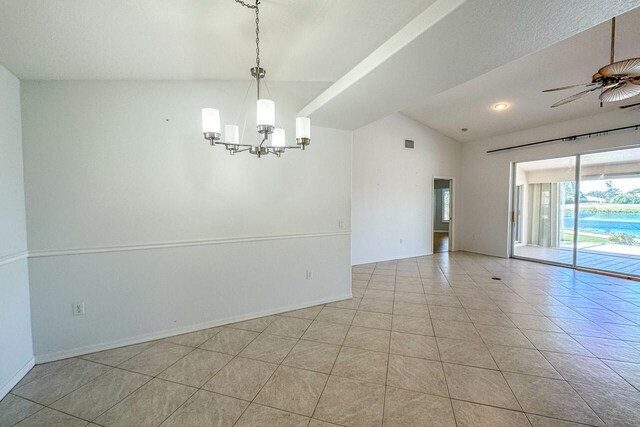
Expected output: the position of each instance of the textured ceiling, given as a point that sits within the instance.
(473, 39)
(317, 40)
(520, 83)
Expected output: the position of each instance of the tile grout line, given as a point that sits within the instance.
(275, 370)
(498, 366)
(155, 377)
(193, 349)
(335, 361)
(174, 382)
(94, 379)
(446, 382)
(559, 373)
(332, 366)
(87, 383)
(386, 375)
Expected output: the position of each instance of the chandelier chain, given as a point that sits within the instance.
(257, 9)
(257, 34)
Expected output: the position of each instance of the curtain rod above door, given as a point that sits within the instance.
(566, 138)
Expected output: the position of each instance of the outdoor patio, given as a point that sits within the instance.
(599, 257)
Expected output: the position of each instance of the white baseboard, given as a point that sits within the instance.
(417, 256)
(79, 351)
(373, 261)
(16, 378)
(485, 253)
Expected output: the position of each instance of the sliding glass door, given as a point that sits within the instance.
(609, 212)
(545, 191)
(592, 222)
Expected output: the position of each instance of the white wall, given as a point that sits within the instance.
(392, 187)
(483, 221)
(16, 349)
(130, 211)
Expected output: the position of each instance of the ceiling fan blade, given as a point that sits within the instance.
(574, 97)
(620, 92)
(569, 87)
(628, 67)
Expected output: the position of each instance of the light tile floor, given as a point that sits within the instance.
(428, 341)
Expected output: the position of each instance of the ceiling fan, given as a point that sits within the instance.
(616, 81)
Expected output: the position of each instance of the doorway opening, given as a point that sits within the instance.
(442, 214)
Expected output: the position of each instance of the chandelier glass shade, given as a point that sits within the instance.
(271, 140)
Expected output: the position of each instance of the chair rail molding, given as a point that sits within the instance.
(179, 243)
(16, 256)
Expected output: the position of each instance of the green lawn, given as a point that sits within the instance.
(568, 237)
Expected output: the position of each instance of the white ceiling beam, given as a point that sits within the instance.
(407, 34)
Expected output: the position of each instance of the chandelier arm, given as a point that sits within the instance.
(226, 144)
(266, 86)
(244, 101)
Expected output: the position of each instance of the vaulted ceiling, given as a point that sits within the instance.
(521, 82)
(455, 41)
(441, 62)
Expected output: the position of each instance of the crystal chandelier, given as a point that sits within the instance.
(266, 117)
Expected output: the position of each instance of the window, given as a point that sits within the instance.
(445, 205)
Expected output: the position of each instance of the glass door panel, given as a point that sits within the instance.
(609, 214)
(544, 201)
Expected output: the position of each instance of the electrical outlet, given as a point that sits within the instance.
(341, 224)
(309, 274)
(78, 308)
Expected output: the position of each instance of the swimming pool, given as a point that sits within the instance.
(605, 223)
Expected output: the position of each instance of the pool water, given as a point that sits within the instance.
(605, 223)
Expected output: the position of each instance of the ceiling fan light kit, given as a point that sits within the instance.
(265, 117)
(617, 81)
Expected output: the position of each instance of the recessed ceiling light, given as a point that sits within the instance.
(501, 106)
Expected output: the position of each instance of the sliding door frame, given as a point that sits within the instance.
(576, 212)
(574, 265)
